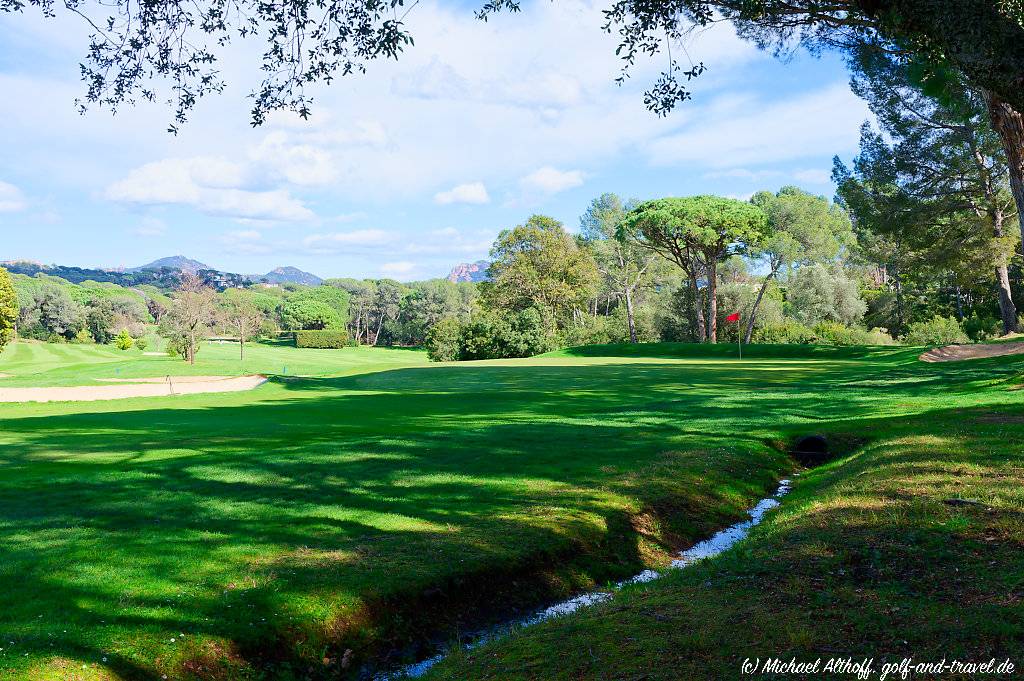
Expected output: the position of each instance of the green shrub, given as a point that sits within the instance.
(982, 328)
(323, 339)
(123, 341)
(141, 343)
(834, 333)
(879, 336)
(787, 331)
(82, 337)
(502, 335)
(443, 340)
(589, 330)
(936, 331)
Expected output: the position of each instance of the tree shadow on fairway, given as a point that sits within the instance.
(353, 511)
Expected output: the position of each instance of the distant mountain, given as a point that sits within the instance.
(291, 275)
(76, 275)
(470, 271)
(174, 262)
(164, 273)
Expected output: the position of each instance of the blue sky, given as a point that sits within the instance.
(410, 169)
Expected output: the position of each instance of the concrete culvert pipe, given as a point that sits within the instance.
(811, 450)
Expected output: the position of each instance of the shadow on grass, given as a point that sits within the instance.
(358, 511)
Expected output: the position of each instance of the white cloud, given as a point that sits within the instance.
(452, 241)
(398, 269)
(813, 176)
(11, 198)
(472, 192)
(301, 164)
(209, 184)
(439, 80)
(350, 217)
(744, 174)
(150, 226)
(335, 241)
(550, 180)
(765, 132)
(807, 175)
(248, 241)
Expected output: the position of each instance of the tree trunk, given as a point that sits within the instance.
(901, 319)
(629, 315)
(757, 303)
(380, 324)
(698, 306)
(712, 270)
(1009, 125)
(241, 348)
(1007, 310)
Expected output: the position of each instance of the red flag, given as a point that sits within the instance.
(734, 317)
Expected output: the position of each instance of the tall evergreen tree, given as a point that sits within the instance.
(945, 172)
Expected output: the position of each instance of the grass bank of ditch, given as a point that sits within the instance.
(267, 534)
(910, 547)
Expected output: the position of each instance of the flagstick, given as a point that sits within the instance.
(739, 335)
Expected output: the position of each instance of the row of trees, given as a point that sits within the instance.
(658, 270)
(372, 312)
(53, 309)
(795, 265)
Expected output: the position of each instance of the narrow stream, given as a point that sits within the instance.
(706, 549)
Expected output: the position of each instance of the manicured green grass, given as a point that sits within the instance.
(239, 534)
(38, 364)
(910, 546)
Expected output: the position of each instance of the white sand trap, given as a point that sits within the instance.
(155, 354)
(956, 353)
(5, 375)
(163, 388)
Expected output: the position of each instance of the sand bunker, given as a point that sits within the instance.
(138, 387)
(955, 353)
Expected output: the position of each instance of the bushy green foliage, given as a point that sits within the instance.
(834, 333)
(787, 331)
(540, 265)
(740, 297)
(936, 331)
(443, 340)
(591, 330)
(8, 308)
(982, 327)
(310, 315)
(323, 338)
(817, 293)
(492, 335)
(141, 343)
(500, 336)
(124, 340)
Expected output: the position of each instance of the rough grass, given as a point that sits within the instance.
(267, 533)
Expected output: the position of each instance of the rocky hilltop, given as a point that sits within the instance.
(469, 271)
